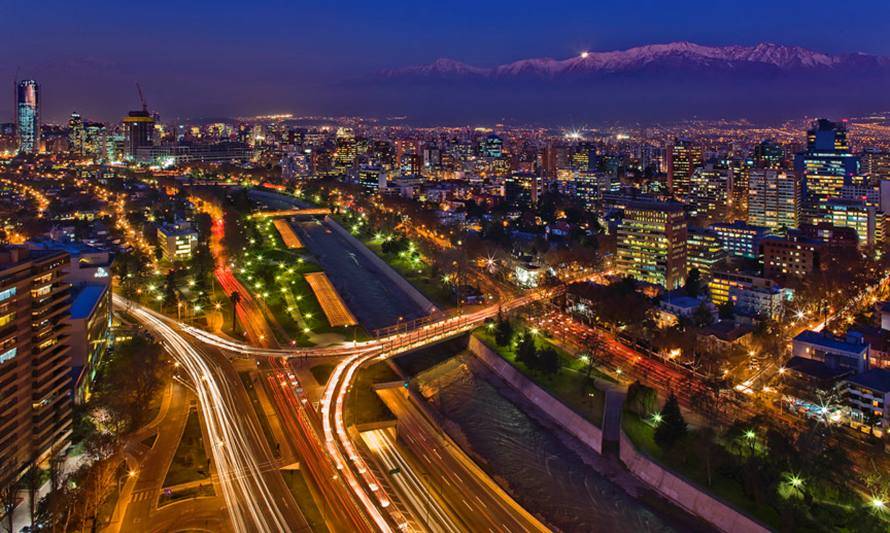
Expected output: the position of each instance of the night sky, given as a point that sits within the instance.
(224, 58)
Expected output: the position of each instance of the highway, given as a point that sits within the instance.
(256, 496)
(472, 497)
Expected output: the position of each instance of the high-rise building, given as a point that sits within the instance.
(683, 158)
(768, 154)
(652, 243)
(876, 164)
(139, 129)
(740, 239)
(27, 116)
(704, 251)
(35, 364)
(773, 198)
(826, 166)
(853, 214)
(75, 134)
(708, 192)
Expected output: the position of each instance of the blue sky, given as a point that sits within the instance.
(228, 57)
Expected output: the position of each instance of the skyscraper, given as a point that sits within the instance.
(35, 362)
(708, 192)
(27, 116)
(768, 154)
(773, 198)
(826, 166)
(75, 134)
(683, 158)
(652, 243)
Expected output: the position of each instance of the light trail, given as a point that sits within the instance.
(250, 502)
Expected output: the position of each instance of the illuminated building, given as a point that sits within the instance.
(27, 116)
(589, 187)
(792, 256)
(652, 243)
(346, 151)
(492, 147)
(177, 241)
(35, 364)
(867, 395)
(139, 131)
(708, 188)
(740, 239)
(704, 251)
(177, 154)
(372, 179)
(768, 154)
(90, 335)
(684, 157)
(853, 214)
(75, 134)
(826, 166)
(522, 189)
(773, 199)
(849, 353)
(876, 164)
(750, 295)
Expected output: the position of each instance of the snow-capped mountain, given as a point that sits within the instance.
(682, 56)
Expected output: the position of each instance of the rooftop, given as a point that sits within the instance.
(877, 379)
(813, 368)
(86, 299)
(827, 341)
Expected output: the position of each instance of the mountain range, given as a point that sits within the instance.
(764, 58)
(657, 82)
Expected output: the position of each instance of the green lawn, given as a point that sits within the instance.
(300, 489)
(692, 468)
(363, 405)
(190, 461)
(419, 274)
(569, 385)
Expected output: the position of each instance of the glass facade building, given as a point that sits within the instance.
(27, 116)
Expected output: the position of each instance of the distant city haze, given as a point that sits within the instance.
(349, 58)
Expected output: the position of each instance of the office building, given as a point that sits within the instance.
(139, 129)
(704, 251)
(177, 241)
(825, 167)
(683, 158)
(75, 134)
(875, 164)
(522, 189)
(866, 395)
(35, 364)
(27, 116)
(708, 192)
(90, 328)
(740, 239)
(848, 353)
(768, 154)
(652, 243)
(854, 214)
(773, 199)
(750, 295)
(792, 256)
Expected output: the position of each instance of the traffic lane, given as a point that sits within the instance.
(469, 491)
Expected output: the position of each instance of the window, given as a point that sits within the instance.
(6, 319)
(7, 294)
(8, 355)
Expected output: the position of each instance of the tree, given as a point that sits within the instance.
(9, 491)
(235, 297)
(693, 283)
(702, 316)
(31, 482)
(672, 427)
(503, 332)
(641, 399)
(549, 360)
(527, 352)
(131, 380)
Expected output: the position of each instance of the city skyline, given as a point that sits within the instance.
(313, 59)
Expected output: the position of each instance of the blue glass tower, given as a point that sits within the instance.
(27, 116)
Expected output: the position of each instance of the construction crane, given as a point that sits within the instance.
(142, 98)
